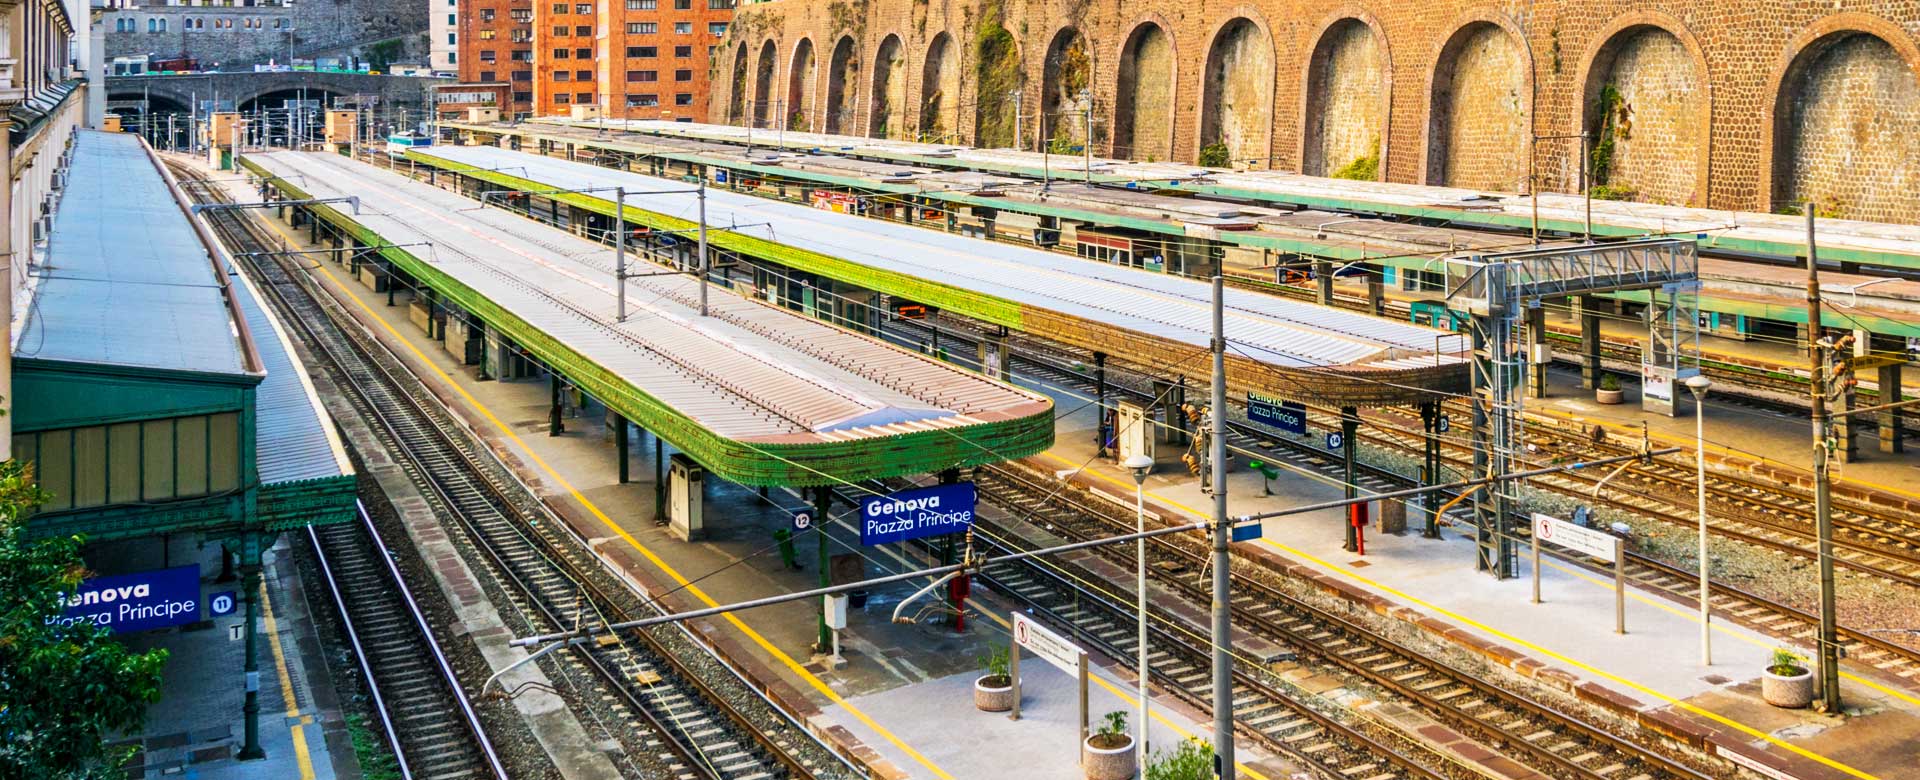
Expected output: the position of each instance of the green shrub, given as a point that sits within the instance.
(1365, 168)
(1190, 759)
(1214, 155)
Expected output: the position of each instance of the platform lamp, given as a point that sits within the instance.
(1141, 464)
(1699, 384)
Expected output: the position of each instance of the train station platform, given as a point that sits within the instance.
(754, 394)
(893, 695)
(1651, 674)
(1296, 350)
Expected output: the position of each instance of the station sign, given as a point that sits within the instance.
(912, 514)
(1553, 530)
(1272, 412)
(1053, 648)
(141, 601)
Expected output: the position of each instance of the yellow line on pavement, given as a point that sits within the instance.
(1467, 621)
(300, 754)
(662, 565)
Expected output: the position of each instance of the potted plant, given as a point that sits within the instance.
(1609, 391)
(993, 691)
(1108, 753)
(1788, 682)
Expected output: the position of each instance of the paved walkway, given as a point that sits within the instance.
(196, 729)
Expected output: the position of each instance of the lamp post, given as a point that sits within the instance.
(1698, 384)
(1140, 464)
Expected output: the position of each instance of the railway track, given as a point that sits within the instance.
(1335, 738)
(428, 720)
(1775, 533)
(680, 710)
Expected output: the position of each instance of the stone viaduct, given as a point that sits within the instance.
(164, 94)
(1731, 104)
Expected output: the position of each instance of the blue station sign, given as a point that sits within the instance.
(912, 514)
(1275, 413)
(140, 601)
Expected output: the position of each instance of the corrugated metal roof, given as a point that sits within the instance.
(126, 280)
(749, 371)
(293, 438)
(1266, 328)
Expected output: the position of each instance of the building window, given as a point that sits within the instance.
(559, 31)
(486, 75)
(683, 99)
(719, 5)
(520, 36)
(643, 75)
(643, 51)
(123, 25)
(583, 8)
(561, 54)
(486, 15)
(583, 75)
(563, 75)
(487, 35)
(583, 97)
(683, 28)
(642, 101)
(682, 5)
(451, 21)
(683, 75)
(563, 98)
(642, 28)
(487, 56)
(522, 97)
(716, 29)
(584, 31)
(559, 8)
(522, 15)
(642, 5)
(522, 55)
(683, 52)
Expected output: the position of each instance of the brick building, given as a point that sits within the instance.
(495, 40)
(236, 34)
(646, 59)
(1714, 103)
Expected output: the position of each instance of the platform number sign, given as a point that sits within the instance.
(222, 604)
(1443, 424)
(1335, 440)
(802, 521)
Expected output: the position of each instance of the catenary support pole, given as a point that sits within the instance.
(706, 267)
(620, 444)
(620, 253)
(822, 505)
(1829, 648)
(1222, 531)
(250, 589)
(1349, 432)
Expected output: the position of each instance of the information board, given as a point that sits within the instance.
(1553, 530)
(1275, 413)
(912, 514)
(138, 602)
(1042, 641)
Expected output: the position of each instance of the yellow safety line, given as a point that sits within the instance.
(300, 754)
(1721, 627)
(685, 584)
(1464, 620)
(1124, 696)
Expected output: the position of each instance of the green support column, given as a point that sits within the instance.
(1589, 343)
(822, 504)
(1430, 466)
(1349, 428)
(620, 443)
(250, 590)
(659, 483)
(1323, 282)
(554, 426)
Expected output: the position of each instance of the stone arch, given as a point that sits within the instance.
(997, 74)
(940, 92)
(1236, 97)
(737, 100)
(1646, 100)
(801, 77)
(1846, 110)
(1066, 86)
(1143, 92)
(887, 114)
(843, 86)
(1348, 86)
(763, 84)
(1479, 108)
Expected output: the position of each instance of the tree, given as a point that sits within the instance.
(63, 687)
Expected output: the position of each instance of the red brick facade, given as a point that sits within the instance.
(496, 46)
(1749, 106)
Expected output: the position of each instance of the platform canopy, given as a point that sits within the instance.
(757, 394)
(1302, 351)
(153, 391)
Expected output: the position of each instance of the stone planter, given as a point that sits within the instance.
(1109, 763)
(1608, 397)
(990, 699)
(1794, 691)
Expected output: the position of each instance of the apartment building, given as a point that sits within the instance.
(496, 46)
(644, 59)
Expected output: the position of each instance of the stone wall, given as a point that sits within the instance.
(1346, 89)
(891, 104)
(800, 93)
(303, 28)
(1701, 127)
